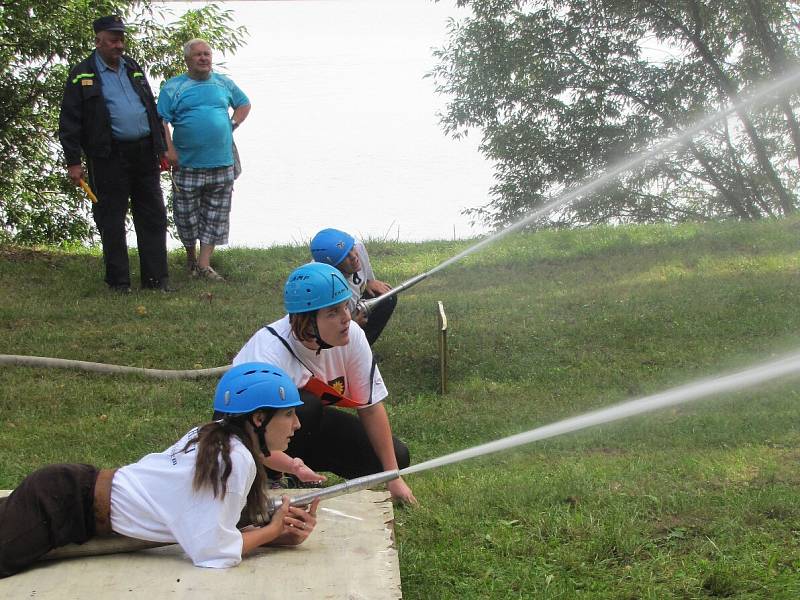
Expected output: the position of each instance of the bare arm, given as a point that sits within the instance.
(280, 461)
(376, 424)
(240, 114)
(289, 526)
(377, 287)
(172, 154)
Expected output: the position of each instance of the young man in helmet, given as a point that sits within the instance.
(327, 356)
(341, 250)
(180, 495)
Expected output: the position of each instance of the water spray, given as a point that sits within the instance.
(587, 186)
(740, 380)
(594, 183)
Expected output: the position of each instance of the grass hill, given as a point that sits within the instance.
(697, 501)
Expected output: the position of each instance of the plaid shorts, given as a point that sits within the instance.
(201, 203)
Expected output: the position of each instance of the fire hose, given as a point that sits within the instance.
(62, 363)
(364, 306)
(731, 383)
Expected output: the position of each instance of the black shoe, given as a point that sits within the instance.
(120, 288)
(292, 482)
(159, 284)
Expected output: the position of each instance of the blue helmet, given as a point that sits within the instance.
(249, 386)
(331, 246)
(314, 286)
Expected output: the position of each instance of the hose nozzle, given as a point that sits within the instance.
(365, 307)
(347, 487)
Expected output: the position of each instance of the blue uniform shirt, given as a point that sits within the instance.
(128, 113)
(198, 112)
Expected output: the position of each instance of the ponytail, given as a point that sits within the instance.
(214, 455)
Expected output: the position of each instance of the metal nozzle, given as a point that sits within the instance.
(365, 306)
(347, 487)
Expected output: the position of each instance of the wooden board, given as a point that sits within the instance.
(351, 555)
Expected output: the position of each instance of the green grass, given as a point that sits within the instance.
(698, 501)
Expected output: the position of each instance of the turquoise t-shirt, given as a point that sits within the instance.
(198, 112)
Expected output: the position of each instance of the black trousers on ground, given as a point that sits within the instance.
(379, 317)
(52, 507)
(130, 172)
(334, 440)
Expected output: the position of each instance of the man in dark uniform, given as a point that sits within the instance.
(109, 113)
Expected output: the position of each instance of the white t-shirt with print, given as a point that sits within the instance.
(153, 500)
(349, 368)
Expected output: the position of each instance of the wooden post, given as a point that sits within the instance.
(442, 318)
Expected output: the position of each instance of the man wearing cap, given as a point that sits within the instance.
(108, 114)
(197, 105)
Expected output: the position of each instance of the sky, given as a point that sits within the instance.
(344, 129)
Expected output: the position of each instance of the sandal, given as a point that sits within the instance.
(209, 273)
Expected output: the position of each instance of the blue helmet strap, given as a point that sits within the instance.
(323, 345)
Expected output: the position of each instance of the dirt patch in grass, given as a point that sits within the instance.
(20, 254)
(15, 324)
(678, 527)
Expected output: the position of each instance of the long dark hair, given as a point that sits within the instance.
(213, 463)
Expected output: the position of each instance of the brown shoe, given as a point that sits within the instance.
(209, 273)
(192, 268)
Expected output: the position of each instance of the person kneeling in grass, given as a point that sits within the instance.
(327, 355)
(349, 256)
(194, 493)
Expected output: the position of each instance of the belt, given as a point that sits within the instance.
(102, 501)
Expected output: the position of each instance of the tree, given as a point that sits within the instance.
(561, 89)
(39, 40)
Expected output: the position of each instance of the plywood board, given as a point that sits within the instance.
(351, 555)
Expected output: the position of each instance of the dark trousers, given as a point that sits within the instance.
(52, 507)
(332, 439)
(379, 317)
(130, 172)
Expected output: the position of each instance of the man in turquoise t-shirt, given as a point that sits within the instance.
(200, 151)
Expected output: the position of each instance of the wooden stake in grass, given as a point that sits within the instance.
(442, 319)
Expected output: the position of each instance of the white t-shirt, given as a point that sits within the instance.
(358, 281)
(153, 500)
(349, 369)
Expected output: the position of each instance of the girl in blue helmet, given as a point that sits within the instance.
(341, 250)
(328, 357)
(194, 493)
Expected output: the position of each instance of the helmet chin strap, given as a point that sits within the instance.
(323, 345)
(259, 429)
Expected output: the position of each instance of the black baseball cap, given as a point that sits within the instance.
(109, 23)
